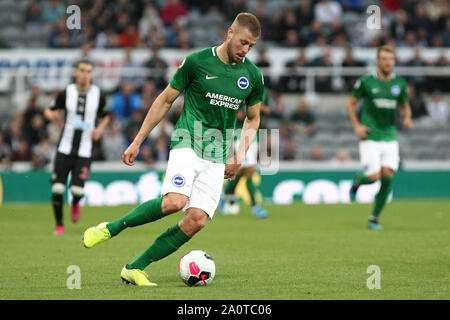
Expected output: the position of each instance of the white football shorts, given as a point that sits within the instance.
(377, 154)
(199, 179)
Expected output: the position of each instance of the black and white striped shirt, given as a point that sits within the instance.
(82, 111)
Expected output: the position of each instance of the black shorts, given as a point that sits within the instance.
(78, 166)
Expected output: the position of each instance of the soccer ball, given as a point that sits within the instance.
(197, 268)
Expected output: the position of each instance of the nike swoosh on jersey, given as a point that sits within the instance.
(208, 78)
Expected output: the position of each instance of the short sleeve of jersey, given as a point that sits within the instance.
(102, 110)
(403, 98)
(257, 93)
(184, 75)
(60, 101)
(358, 89)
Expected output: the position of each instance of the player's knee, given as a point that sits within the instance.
(77, 191)
(375, 176)
(173, 203)
(387, 172)
(193, 221)
(58, 188)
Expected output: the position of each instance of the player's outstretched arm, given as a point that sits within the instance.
(359, 129)
(248, 134)
(157, 111)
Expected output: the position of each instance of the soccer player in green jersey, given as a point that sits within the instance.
(382, 92)
(216, 82)
(229, 200)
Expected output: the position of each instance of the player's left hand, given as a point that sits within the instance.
(407, 123)
(231, 168)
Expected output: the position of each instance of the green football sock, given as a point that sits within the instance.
(382, 195)
(146, 212)
(231, 185)
(251, 190)
(362, 179)
(168, 242)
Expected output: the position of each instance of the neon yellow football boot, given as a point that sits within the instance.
(136, 277)
(96, 235)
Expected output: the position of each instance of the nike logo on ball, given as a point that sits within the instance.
(208, 78)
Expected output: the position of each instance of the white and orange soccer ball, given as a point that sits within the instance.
(197, 268)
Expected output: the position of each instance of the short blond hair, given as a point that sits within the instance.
(248, 21)
(386, 48)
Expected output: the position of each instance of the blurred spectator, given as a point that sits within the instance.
(36, 131)
(183, 40)
(150, 21)
(352, 5)
(317, 153)
(60, 37)
(22, 151)
(124, 102)
(288, 27)
(264, 64)
(15, 133)
(349, 61)
(131, 128)
(5, 151)
(323, 82)
(417, 103)
(175, 112)
(162, 147)
(173, 10)
(262, 61)
(291, 81)
(157, 69)
(113, 142)
(302, 120)
(53, 10)
(130, 37)
(291, 39)
(289, 149)
(276, 100)
(147, 156)
(438, 109)
(148, 95)
(131, 70)
(341, 155)
(305, 13)
(232, 8)
(164, 128)
(440, 83)
(419, 81)
(328, 12)
(42, 154)
(33, 14)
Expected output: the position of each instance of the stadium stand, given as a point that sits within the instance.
(149, 27)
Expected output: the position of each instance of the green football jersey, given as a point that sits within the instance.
(214, 92)
(380, 101)
(265, 100)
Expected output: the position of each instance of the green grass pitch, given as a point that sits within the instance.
(299, 252)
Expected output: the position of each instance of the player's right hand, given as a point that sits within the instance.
(130, 154)
(361, 131)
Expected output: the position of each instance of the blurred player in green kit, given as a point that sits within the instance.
(216, 82)
(382, 92)
(229, 203)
